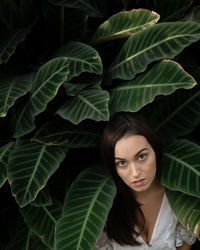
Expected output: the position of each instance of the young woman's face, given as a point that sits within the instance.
(135, 162)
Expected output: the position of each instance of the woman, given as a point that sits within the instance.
(141, 217)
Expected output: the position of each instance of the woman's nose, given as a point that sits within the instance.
(135, 170)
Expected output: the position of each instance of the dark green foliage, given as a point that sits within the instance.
(65, 68)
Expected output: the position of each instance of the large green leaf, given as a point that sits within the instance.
(91, 103)
(94, 8)
(165, 114)
(45, 86)
(187, 209)
(82, 58)
(85, 210)
(181, 167)
(42, 221)
(4, 153)
(163, 79)
(123, 24)
(164, 40)
(11, 89)
(80, 136)
(30, 166)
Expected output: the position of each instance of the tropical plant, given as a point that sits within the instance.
(66, 67)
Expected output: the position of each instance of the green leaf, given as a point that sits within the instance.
(82, 58)
(42, 221)
(4, 153)
(85, 210)
(9, 42)
(29, 168)
(164, 40)
(123, 24)
(94, 8)
(187, 209)
(181, 167)
(11, 89)
(88, 104)
(75, 86)
(45, 86)
(42, 199)
(68, 135)
(165, 115)
(72, 89)
(162, 79)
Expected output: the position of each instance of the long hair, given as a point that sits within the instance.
(126, 215)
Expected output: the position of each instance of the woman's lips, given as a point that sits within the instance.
(139, 182)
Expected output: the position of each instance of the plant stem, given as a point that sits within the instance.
(62, 26)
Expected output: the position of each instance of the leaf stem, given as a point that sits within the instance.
(62, 16)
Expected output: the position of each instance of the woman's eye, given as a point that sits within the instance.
(121, 163)
(141, 157)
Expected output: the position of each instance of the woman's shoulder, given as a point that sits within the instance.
(103, 243)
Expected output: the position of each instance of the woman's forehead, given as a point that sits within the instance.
(131, 145)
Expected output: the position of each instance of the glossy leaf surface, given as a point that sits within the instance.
(45, 86)
(82, 58)
(11, 89)
(162, 79)
(88, 104)
(85, 210)
(123, 24)
(187, 209)
(164, 40)
(37, 218)
(181, 167)
(30, 166)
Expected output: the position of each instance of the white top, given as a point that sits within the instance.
(168, 234)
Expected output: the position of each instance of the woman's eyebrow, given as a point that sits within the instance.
(140, 151)
(118, 158)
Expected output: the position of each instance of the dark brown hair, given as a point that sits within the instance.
(126, 214)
